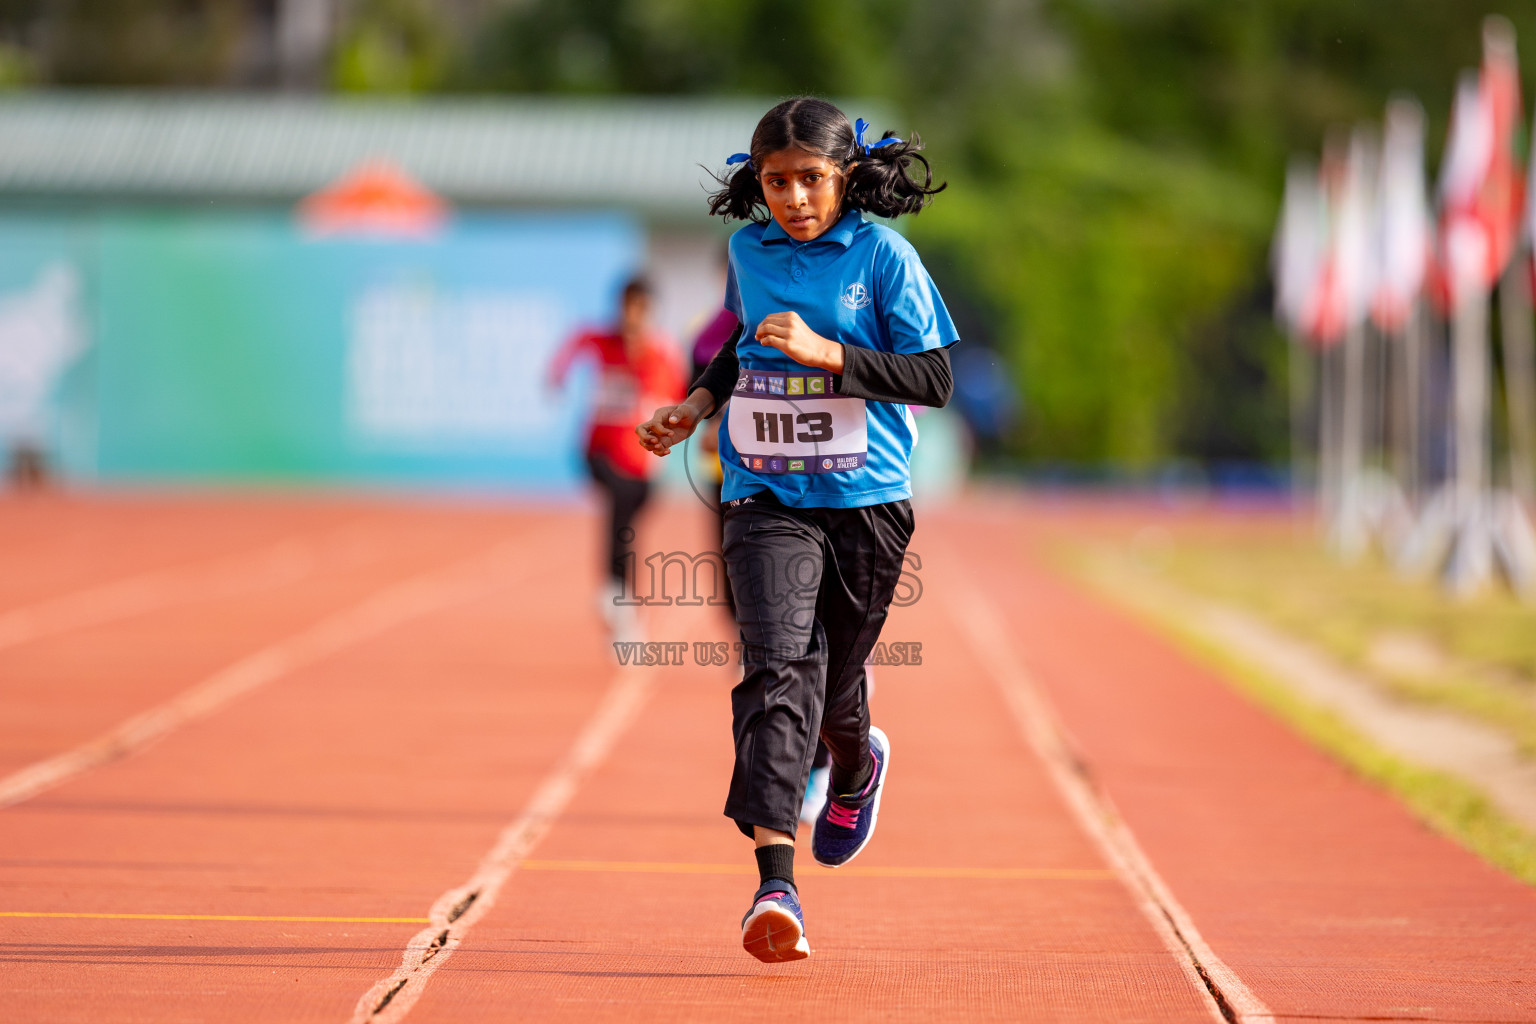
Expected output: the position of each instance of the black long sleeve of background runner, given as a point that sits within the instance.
(914, 378)
(719, 377)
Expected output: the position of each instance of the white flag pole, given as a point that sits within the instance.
(1328, 434)
(1519, 374)
(1303, 387)
(1401, 257)
(1511, 535)
(1474, 193)
(1471, 560)
(1412, 397)
(1296, 264)
(1514, 537)
(1349, 534)
(1353, 240)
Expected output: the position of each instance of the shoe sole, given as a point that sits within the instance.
(773, 935)
(873, 807)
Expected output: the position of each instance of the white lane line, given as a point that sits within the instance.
(456, 911)
(267, 567)
(487, 571)
(1095, 811)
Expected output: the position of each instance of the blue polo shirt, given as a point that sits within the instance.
(861, 284)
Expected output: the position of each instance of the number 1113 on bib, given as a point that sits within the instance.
(772, 428)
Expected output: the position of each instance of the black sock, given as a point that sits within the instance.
(776, 860)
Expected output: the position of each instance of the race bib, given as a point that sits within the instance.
(793, 423)
(618, 393)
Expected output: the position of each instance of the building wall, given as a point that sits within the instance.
(230, 347)
(688, 271)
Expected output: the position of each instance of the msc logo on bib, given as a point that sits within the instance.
(856, 296)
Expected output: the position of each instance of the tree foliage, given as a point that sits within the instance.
(1115, 165)
(121, 42)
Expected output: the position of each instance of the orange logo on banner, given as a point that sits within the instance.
(376, 198)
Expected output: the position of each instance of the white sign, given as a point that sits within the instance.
(426, 365)
(41, 334)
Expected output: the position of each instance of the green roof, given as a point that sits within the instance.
(641, 153)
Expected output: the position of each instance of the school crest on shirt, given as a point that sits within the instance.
(856, 296)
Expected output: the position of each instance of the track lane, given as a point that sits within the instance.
(385, 610)
(1320, 891)
(455, 913)
(368, 784)
(1228, 997)
(54, 545)
(359, 786)
(614, 939)
(67, 690)
(272, 565)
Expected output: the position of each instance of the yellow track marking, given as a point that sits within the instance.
(213, 917)
(673, 868)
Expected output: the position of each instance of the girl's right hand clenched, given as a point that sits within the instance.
(674, 424)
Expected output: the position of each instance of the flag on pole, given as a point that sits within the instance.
(1346, 281)
(1296, 258)
(1482, 192)
(1403, 220)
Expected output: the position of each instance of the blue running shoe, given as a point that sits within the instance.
(774, 929)
(843, 830)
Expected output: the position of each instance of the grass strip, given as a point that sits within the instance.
(1483, 650)
(1446, 803)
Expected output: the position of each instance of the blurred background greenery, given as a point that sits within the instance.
(1114, 165)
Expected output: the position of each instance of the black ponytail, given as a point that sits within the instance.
(879, 182)
(740, 196)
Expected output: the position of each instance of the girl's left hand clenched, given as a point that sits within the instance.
(790, 335)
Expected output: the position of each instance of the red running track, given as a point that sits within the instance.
(394, 705)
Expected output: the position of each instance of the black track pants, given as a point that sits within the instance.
(812, 589)
(626, 496)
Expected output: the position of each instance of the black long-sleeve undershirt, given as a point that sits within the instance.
(913, 378)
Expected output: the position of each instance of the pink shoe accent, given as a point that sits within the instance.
(847, 817)
(874, 773)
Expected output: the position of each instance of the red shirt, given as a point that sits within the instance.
(628, 391)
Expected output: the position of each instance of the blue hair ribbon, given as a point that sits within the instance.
(740, 158)
(860, 126)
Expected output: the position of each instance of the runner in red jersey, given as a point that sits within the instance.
(637, 366)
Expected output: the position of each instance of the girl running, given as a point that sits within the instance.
(636, 366)
(842, 328)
